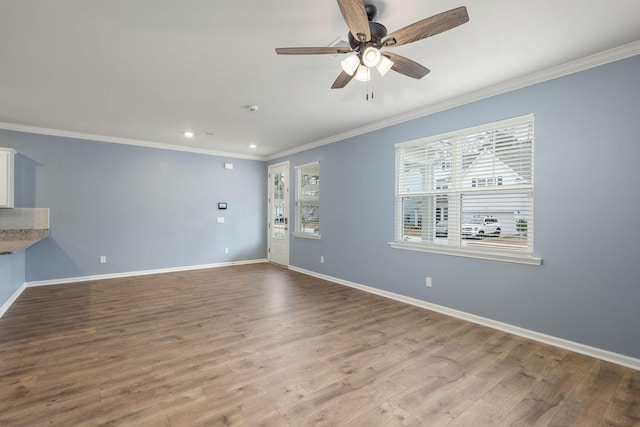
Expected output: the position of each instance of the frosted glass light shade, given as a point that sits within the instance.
(371, 56)
(350, 64)
(384, 65)
(363, 74)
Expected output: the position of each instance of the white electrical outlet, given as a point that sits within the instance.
(428, 282)
(103, 259)
(220, 220)
(226, 250)
(321, 260)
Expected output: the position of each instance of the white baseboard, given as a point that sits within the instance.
(138, 273)
(12, 299)
(606, 355)
(68, 280)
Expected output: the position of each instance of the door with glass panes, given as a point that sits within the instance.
(278, 221)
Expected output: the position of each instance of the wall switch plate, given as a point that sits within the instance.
(321, 260)
(103, 259)
(428, 282)
(226, 250)
(220, 220)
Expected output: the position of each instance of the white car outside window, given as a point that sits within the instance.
(481, 226)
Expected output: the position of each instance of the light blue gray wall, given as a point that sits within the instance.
(587, 207)
(11, 275)
(143, 208)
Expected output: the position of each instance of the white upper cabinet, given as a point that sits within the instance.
(6, 177)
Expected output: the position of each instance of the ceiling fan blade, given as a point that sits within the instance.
(311, 50)
(342, 80)
(406, 66)
(355, 16)
(427, 27)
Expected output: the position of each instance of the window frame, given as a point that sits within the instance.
(455, 195)
(301, 199)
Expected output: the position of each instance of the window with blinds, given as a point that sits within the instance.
(468, 192)
(308, 200)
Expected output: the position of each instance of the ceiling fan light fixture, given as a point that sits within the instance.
(371, 56)
(363, 74)
(384, 65)
(367, 37)
(350, 64)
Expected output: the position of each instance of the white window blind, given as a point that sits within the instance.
(469, 190)
(308, 200)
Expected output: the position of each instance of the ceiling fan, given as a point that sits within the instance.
(367, 38)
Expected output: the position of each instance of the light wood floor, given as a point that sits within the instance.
(261, 345)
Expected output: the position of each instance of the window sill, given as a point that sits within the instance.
(520, 258)
(307, 236)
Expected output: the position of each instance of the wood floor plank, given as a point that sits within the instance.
(449, 402)
(588, 402)
(624, 409)
(383, 414)
(481, 414)
(261, 345)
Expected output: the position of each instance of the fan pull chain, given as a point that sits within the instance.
(369, 89)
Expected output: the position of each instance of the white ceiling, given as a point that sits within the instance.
(146, 70)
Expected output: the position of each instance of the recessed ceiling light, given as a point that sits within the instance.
(188, 134)
(253, 146)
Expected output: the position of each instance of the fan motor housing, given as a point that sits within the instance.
(378, 31)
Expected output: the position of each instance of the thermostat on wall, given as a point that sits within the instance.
(222, 205)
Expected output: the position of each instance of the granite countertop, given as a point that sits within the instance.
(12, 241)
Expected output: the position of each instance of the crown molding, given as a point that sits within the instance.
(124, 141)
(582, 64)
(602, 58)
